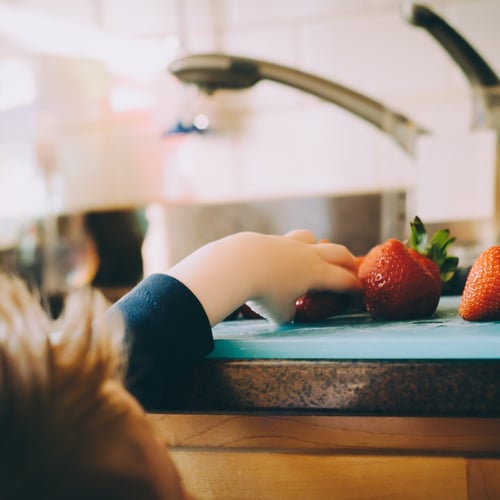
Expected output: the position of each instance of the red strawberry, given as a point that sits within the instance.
(481, 296)
(316, 306)
(365, 263)
(406, 283)
(311, 307)
(429, 264)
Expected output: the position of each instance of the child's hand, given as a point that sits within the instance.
(270, 271)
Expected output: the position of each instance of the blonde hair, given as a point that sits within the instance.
(57, 412)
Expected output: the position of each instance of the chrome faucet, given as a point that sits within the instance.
(475, 68)
(481, 76)
(214, 71)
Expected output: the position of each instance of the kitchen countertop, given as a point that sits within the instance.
(350, 365)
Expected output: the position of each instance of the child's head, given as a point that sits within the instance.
(68, 427)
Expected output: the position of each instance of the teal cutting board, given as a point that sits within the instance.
(357, 336)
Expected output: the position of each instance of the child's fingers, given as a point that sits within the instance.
(303, 235)
(337, 254)
(339, 279)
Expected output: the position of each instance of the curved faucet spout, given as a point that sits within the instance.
(483, 80)
(475, 68)
(222, 71)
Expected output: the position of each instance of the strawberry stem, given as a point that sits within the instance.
(435, 249)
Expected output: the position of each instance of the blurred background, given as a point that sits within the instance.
(110, 168)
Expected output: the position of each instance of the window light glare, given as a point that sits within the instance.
(17, 84)
(124, 98)
(140, 59)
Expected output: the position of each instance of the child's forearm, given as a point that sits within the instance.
(223, 274)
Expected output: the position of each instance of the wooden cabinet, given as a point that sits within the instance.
(252, 456)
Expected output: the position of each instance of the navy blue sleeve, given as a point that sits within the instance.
(167, 332)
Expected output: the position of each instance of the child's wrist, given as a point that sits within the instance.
(254, 261)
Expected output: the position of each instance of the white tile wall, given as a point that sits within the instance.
(202, 15)
(255, 12)
(144, 18)
(377, 54)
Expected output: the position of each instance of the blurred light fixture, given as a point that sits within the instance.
(198, 125)
(142, 60)
(201, 121)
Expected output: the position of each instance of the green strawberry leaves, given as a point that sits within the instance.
(435, 249)
(418, 235)
(448, 268)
